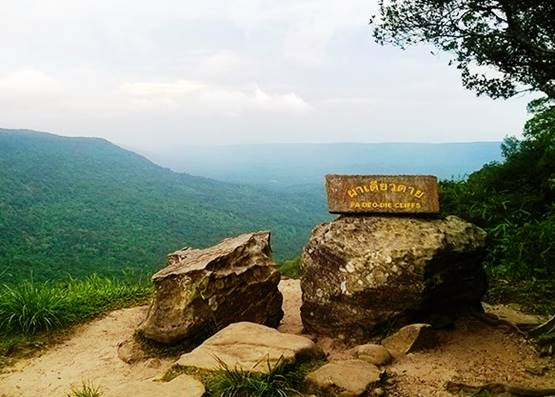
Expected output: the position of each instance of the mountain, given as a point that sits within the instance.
(283, 165)
(78, 205)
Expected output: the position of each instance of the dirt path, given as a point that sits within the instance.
(90, 354)
(472, 352)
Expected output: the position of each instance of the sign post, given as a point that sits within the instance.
(379, 194)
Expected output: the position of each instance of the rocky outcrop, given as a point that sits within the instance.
(363, 274)
(249, 347)
(201, 291)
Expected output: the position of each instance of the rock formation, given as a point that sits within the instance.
(361, 274)
(202, 291)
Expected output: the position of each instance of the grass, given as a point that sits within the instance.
(87, 389)
(291, 268)
(282, 380)
(236, 382)
(29, 309)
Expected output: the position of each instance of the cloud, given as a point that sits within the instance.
(28, 82)
(182, 71)
(210, 99)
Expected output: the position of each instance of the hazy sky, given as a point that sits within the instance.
(159, 74)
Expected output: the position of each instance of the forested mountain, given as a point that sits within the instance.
(284, 165)
(77, 205)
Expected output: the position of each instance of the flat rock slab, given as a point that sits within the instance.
(410, 338)
(372, 353)
(250, 347)
(345, 378)
(375, 194)
(182, 386)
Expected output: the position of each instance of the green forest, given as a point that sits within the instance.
(77, 206)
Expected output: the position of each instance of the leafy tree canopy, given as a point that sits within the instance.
(514, 37)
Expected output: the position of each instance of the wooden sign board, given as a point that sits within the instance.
(406, 194)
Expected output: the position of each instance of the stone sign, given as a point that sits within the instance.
(407, 194)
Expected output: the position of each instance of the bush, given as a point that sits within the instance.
(28, 308)
(291, 268)
(514, 201)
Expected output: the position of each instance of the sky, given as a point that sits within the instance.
(158, 75)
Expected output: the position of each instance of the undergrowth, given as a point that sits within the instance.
(30, 309)
(290, 268)
(281, 379)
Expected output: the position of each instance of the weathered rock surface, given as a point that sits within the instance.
(363, 273)
(202, 291)
(374, 354)
(250, 347)
(410, 338)
(183, 385)
(344, 378)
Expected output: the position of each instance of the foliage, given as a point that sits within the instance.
(515, 200)
(291, 268)
(74, 206)
(30, 307)
(515, 38)
(236, 382)
(87, 389)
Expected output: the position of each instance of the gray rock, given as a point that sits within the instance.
(361, 274)
(202, 291)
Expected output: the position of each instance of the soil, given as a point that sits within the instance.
(471, 352)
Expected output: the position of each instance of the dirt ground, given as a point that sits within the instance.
(471, 352)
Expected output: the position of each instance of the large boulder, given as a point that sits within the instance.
(362, 275)
(202, 291)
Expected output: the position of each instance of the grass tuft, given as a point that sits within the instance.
(282, 380)
(87, 389)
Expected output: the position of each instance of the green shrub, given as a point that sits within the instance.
(514, 201)
(235, 382)
(291, 268)
(29, 307)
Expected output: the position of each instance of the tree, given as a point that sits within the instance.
(513, 39)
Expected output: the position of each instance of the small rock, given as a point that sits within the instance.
(409, 339)
(538, 370)
(378, 391)
(250, 347)
(183, 385)
(372, 353)
(346, 378)
(130, 352)
(153, 363)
